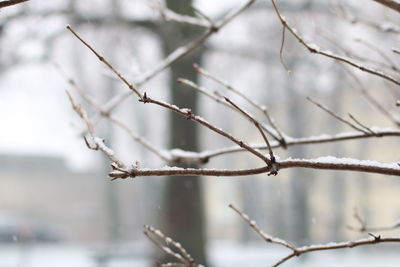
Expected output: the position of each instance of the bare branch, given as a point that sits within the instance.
(190, 116)
(368, 129)
(179, 53)
(297, 251)
(365, 228)
(268, 238)
(106, 62)
(261, 108)
(257, 124)
(169, 15)
(372, 100)
(11, 2)
(178, 253)
(322, 163)
(316, 50)
(113, 119)
(337, 116)
(94, 143)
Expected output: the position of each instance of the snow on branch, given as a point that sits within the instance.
(297, 251)
(322, 163)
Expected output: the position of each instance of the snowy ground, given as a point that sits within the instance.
(222, 254)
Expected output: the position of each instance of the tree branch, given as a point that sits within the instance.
(317, 50)
(11, 2)
(395, 5)
(297, 251)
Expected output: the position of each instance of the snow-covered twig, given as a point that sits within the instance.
(297, 251)
(322, 163)
(179, 53)
(141, 140)
(169, 15)
(93, 142)
(171, 247)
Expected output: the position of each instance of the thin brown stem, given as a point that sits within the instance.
(394, 5)
(337, 116)
(190, 116)
(106, 62)
(316, 50)
(278, 135)
(323, 163)
(257, 124)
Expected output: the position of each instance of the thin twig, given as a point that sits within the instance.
(380, 52)
(179, 252)
(190, 116)
(368, 129)
(337, 116)
(365, 228)
(205, 156)
(220, 100)
(141, 140)
(179, 53)
(268, 238)
(372, 100)
(94, 143)
(106, 62)
(169, 15)
(278, 136)
(297, 251)
(257, 124)
(316, 50)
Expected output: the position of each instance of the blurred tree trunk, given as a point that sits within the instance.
(183, 213)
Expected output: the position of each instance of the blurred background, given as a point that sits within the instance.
(57, 205)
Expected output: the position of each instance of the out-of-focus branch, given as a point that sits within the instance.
(190, 116)
(169, 15)
(313, 48)
(93, 142)
(372, 100)
(205, 156)
(179, 53)
(11, 3)
(170, 247)
(141, 140)
(364, 227)
(338, 117)
(297, 251)
(395, 5)
(217, 97)
(263, 109)
(257, 124)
